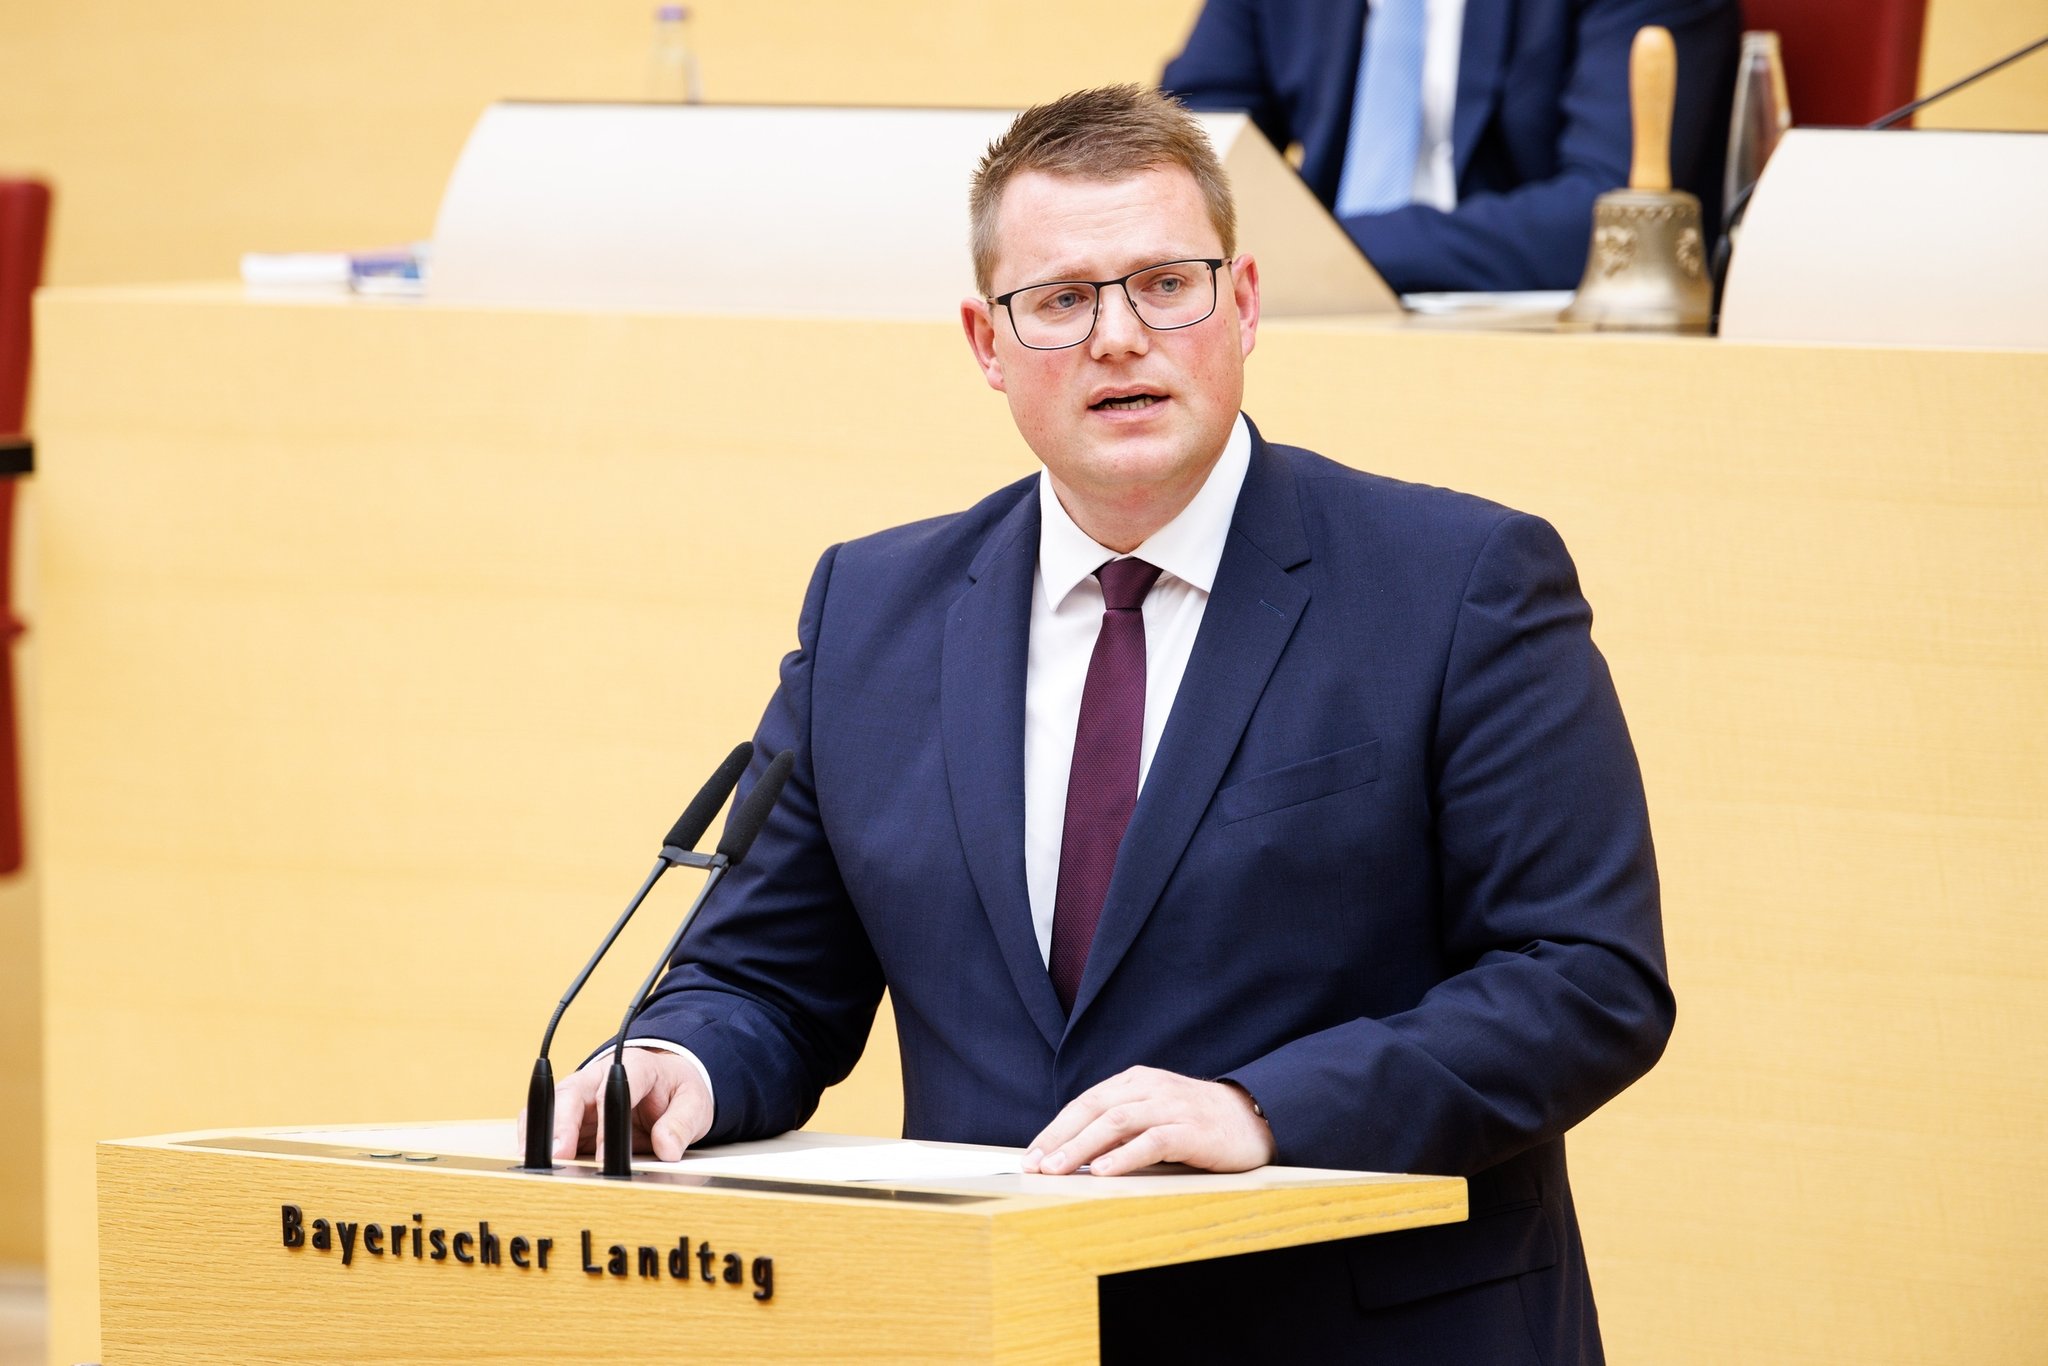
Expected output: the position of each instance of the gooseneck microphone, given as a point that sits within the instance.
(739, 836)
(677, 847)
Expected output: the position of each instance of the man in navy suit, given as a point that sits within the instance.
(1463, 142)
(1199, 800)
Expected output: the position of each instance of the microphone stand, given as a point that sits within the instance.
(618, 1089)
(746, 823)
(675, 849)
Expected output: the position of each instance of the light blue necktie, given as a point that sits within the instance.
(1386, 113)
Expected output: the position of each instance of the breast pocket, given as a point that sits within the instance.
(1323, 776)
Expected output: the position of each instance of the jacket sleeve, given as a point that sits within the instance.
(776, 986)
(1554, 997)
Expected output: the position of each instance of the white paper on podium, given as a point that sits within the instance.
(805, 1156)
(477, 1138)
(901, 1161)
(879, 1160)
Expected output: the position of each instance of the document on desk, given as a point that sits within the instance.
(904, 1161)
(815, 1160)
(479, 1138)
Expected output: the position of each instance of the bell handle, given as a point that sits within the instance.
(1652, 89)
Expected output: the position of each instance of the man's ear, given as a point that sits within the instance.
(1245, 290)
(980, 325)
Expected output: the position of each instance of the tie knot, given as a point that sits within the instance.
(1125, 584)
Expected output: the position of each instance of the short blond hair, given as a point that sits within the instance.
(1107, 133)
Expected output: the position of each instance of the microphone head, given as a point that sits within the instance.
(753, 813)
(703, 808)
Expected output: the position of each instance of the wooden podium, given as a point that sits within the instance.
(263, 1246)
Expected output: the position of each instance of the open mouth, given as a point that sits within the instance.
(1126, 403)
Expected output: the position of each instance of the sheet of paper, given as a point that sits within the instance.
(828, 1157)
(1444, 305)
(482, 1138)
(860, 1161)
(867, 1162)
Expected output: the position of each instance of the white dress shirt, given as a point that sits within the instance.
(1066, 617)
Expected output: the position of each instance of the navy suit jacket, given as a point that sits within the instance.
(1540, 128)
(1390, 870)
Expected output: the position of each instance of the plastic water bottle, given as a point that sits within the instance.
(1762, 112)
(672, 62)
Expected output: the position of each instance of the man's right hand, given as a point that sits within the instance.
(671, 1108)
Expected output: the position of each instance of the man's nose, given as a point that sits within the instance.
(1118, 330)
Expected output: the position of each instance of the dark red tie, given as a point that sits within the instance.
(1102, 787)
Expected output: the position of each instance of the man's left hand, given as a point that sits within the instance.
(1144, 1115)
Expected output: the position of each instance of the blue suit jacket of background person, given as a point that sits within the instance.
(1390, 870)
(1540, 129)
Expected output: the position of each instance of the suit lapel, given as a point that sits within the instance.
(981, 706)
(1249, 619)
(1482, 52)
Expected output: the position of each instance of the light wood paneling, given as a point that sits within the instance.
(21, 1071)
(21, 1003)
(390, 684)
(181, 136)
(385, 641)
(1963, 35)
(1821, 577)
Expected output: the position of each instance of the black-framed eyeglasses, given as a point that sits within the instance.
(1062, 313)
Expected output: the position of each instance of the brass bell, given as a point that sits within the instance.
(1647, 270)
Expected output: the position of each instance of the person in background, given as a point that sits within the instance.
(1462, 142)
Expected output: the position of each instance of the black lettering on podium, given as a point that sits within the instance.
(323, 1241)
(519, 1246)
(294, 1226)
(733, 1275)
(764, 1278)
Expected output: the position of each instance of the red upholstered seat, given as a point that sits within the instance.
(24, 224)
(1847, 62)
(24, 219)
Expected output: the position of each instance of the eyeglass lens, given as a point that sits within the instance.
(1176, 294)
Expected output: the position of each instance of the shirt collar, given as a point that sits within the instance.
(1189, 547)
